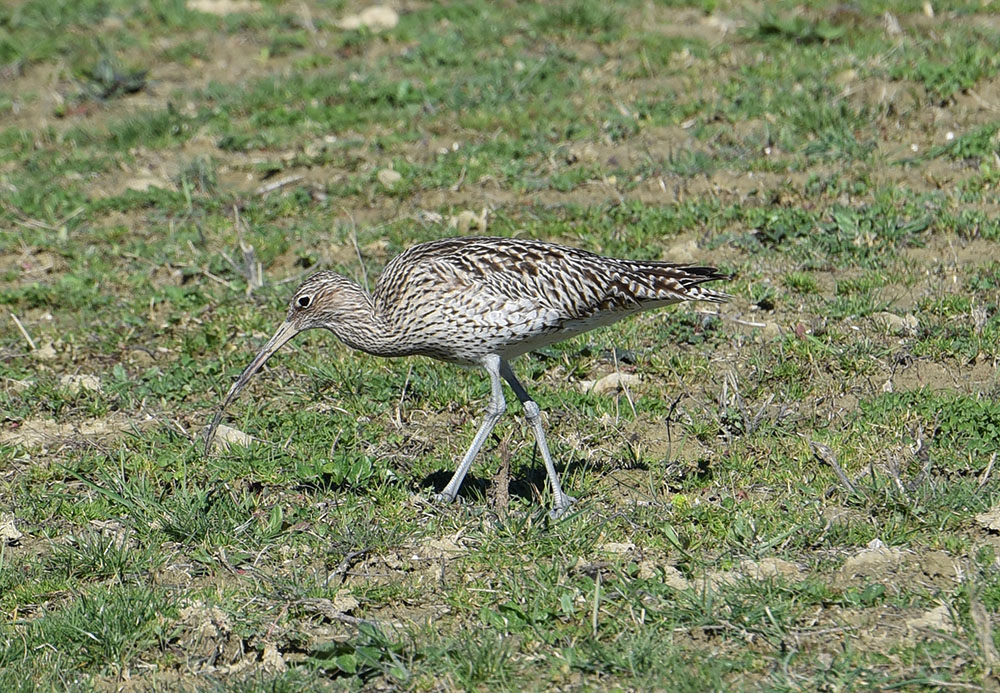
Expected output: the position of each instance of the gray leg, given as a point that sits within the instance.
(534, 416)
(494, 410)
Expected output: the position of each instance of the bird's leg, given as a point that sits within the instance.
(494, 410)
(534, 416)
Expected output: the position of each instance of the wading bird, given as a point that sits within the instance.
(483, 302)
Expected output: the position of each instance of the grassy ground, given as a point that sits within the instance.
(793, 495)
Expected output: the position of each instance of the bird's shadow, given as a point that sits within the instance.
(528, 483)
(527, 486)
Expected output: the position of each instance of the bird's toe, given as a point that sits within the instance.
(562, 508)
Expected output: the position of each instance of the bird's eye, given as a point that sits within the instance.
(304, 301)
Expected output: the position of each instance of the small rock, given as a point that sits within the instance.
(46, 352)
(377, 18)
(344, 601)
(9, 534)
(271, 660)
(671, 576)
(615, 547)
(140, 357)
(226, 436)
(16, 385)
(770, 568)
(873, 561)
(144, 184)
(428, 217)
(76, 383)
(990, 519)
(443, 547)
(899, 325)
(221, 8)
(719, 578)
(467, 220)
(938, 564)
(388, 177)
(609, 383)
(837, 516)
(938, 618)
(585, 154)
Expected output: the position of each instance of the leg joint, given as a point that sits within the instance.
(496, 409)
(531, 410)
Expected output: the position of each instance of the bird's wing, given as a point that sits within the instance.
(572, 282)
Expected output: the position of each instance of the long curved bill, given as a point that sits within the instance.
(284, 333)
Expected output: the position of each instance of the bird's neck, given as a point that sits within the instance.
(361, 327)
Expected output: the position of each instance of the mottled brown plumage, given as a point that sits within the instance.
(483, 301)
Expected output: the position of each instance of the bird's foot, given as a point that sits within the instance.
(445, 497)
(562, 507)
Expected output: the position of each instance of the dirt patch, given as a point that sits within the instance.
(889, 566)
(49, 436)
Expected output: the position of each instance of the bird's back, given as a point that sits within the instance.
(459, 299)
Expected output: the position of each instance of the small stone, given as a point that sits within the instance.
(226, 436)
(221, 8)
(467, 220)
(769, 568)
(609, 383)
(896, 324)
(46, 352)
(145, 183)
(872, 561)
(388, 177)
(140, 357)
(271, 660)
(990, 519)
(8, 531)
(74, 384)
(377, 18)
(615, 547)
(672, 577)
(938, 618)
(938, 564)
(16, 385)
(344, 601)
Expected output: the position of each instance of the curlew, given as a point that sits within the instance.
(483, 302)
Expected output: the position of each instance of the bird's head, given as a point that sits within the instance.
(320, 301)
(323, 300)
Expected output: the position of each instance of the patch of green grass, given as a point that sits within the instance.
(103, 630)
(652, 132)
(948, 64)
(797, 29)
(589, 17)
(975, 146)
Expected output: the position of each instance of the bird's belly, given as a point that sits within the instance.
(508, 329)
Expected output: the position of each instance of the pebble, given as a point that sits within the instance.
(896, 324)
(388, 177)
(610, 383)
(377, 18)
(76, 383)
